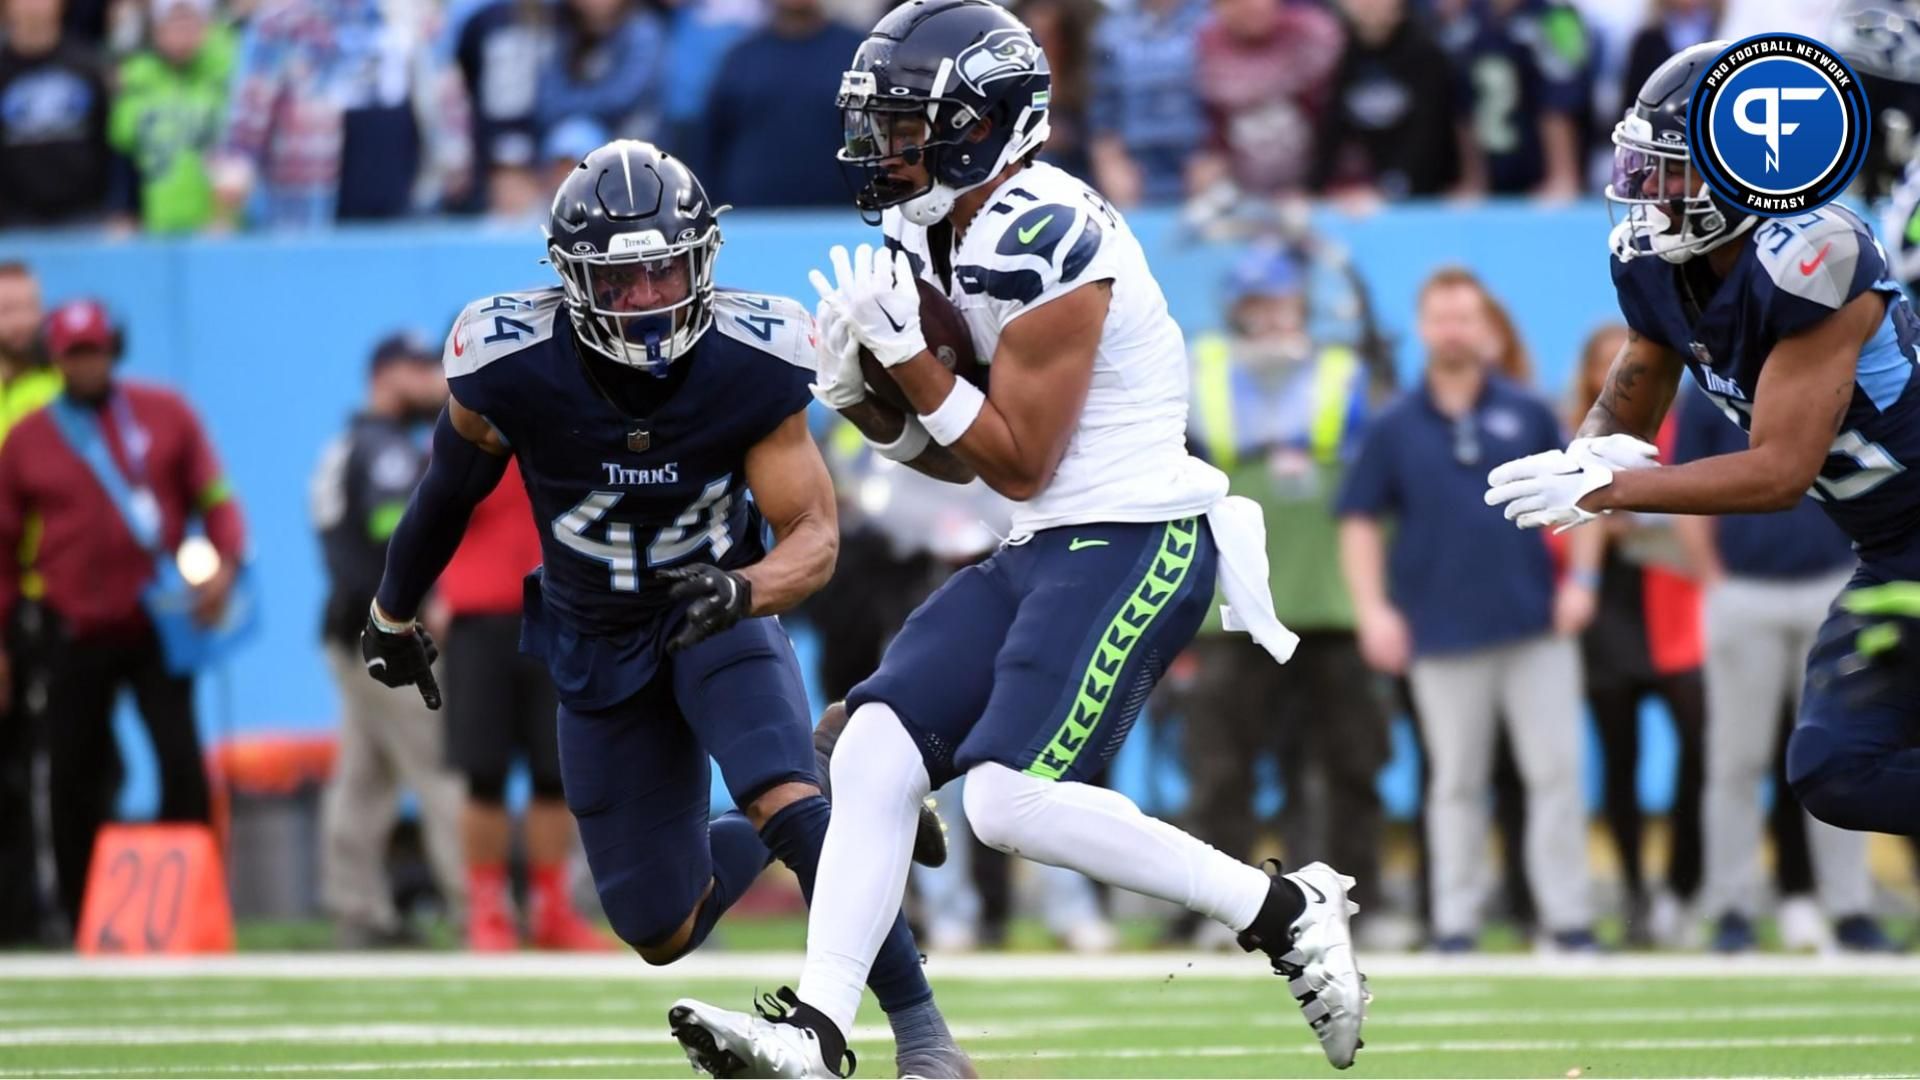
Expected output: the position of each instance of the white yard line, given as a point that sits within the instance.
(1465, 1046)
(995, 967)
(395, 1065)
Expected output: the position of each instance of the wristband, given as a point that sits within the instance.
(912, 440)
(956, 414)
(386, 625)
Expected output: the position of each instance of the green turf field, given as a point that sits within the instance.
(1139, 1015)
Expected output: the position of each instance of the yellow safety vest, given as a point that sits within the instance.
(28, 391)
(1333, 380)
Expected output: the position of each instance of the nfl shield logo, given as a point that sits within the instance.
(638, 441)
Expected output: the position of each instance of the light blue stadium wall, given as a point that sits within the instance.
(269, 337)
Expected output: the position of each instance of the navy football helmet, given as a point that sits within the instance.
(924, 82)
(1670, 211)
(1879, 37)
(633, 237)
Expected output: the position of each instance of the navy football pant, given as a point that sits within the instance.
(637, 780)
(1854, 757)
(1041, 657)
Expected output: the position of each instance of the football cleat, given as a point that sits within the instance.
(1319, 964)
(724, 1043)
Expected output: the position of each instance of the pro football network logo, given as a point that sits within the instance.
(1780, 124)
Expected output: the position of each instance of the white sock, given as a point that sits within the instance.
(1104, 836)
(879, 781)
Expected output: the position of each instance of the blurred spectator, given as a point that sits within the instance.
(1064, 30)
(498, 49)
(1265, 78)
(501, 707)
(54, 162)
(167, 113)
(108, 460)
(1393, 126)
(561, 151)
(26, 380)
(1645, 642)
(698, 36)
(608, 65)
(338, 113)
(1671, 25)
(1467, 605)
(771, 128)
(1770, 579)
(387, 741)
(26, 383)
(1525, 68)
(1282, 415)
(1144, 119)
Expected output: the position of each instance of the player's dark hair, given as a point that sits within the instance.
(15, 268)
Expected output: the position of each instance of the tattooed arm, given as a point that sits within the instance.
(1801, 400)
(1640, 387)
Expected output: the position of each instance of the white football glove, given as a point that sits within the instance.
(1618, 452)
(876, 293)
(1544, 489)
(837, 383)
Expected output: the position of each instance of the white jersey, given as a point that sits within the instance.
(1044, 234)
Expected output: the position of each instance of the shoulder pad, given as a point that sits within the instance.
(1039, 245)
(497, 326)
(775, 325)
(1811, 257)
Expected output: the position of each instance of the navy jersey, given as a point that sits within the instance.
(617, 497)
(1790, 275)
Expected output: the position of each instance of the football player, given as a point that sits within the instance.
(1797, 329)
(660, 423)
(1024, 672)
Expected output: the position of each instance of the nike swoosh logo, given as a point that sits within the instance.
(1026, 235)
(1318, 896)
(1079, 543)
(897, 327)
(1807, 268)
(459, 345)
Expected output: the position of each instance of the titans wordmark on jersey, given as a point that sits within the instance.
(1042, 235)
(618, 497)
(1794, 272)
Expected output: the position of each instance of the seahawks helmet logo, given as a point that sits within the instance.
(1002, 54)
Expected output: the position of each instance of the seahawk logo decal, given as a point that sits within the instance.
(1000, 55)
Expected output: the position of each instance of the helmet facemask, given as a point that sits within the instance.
(884, 131)
(644, 304)
(1668, 209)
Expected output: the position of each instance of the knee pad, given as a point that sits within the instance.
(648, 903)
(488, 788)
(878, 759)
(999, 802)
(1817, 771)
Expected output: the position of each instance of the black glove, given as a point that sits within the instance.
(401, 658)
(720, 599)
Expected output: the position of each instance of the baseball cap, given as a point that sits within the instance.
(403, 346)
(77, 324)
(1264, 270)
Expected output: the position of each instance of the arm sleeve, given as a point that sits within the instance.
(209, 492)
(458, 477)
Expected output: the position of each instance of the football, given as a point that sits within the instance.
(948, 338)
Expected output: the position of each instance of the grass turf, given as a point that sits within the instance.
(1822, 1022)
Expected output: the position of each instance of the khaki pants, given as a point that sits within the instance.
(389, 740)
(1758, 636)
(1536, 685)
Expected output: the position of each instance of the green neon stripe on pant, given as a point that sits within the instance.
(1169, 570)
